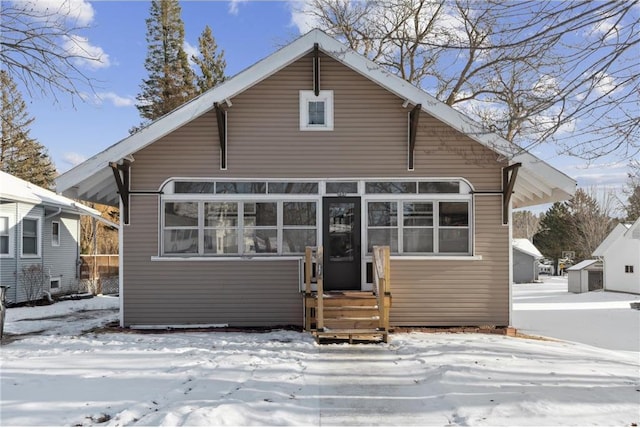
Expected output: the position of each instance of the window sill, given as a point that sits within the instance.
(30, 256)
(438, 258)
(223, 258)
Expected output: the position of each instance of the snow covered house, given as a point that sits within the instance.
(313, 146)
(620, 253)
(525, 261)
(41, 230)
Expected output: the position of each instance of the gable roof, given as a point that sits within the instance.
(15, 189)
(597, 264)
(619, 231)
(634, 230)
(537, 182)
(525, 246)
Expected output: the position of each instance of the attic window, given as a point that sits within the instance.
(316, 112)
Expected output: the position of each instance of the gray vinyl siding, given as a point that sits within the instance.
(61, 261)
(524, 267)
(237, 293)
(8, 264)
(369, 141)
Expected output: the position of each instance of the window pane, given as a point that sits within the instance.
(391, 187)
(439, 187)
(220, 214)
(382, 214)
(454, 214)
(382, 237)
(316, 113)
(417, 240)
(300, 188)
(29, 227)
(181, 241)
(260, 214)
(454, 240)
(346, 187)
(180, 214)
(221, 241)
(4, 245)
(295, 240)
(260, 240)
(418, 213)
(299, 213)
(55, 233)
(29, 245)
(241, 187)
(193, 187)
(4, 225)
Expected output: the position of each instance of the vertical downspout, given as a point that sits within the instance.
(510, 215)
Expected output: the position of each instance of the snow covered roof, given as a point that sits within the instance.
(537, 182)
(585, 264)
(15, 189)
(527, 247)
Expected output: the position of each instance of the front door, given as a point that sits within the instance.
(341, 236)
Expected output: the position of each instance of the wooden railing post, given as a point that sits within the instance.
(308, 262)
(320, 290)
(387, 286)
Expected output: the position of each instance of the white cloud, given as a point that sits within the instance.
(301, 18)
(73, 158)
(86, 54)
(80, 12)
(607, 27)
(604, 84)
(190, 50)
(115, 99)
(234, 6)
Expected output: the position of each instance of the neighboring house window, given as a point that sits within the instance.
(316, 112)
(5, 238)
(30, 237)
(628, 269)
(238, 227)
(55, 283)
(55, 233)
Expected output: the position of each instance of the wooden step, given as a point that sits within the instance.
(351, 311)
(351, 323)
(368, 335)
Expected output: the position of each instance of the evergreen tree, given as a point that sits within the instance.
(171, 80)
(555, 232)
(590, 222)
(633, 202)
(21, 155)
(211, 63)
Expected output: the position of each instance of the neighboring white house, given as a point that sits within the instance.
(39, 230)
(525, 261)
(620, 252)
(585, 276)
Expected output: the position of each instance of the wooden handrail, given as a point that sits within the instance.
(314, 255)
(382, 282)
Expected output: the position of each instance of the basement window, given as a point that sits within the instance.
(628, 269)
(316, 112)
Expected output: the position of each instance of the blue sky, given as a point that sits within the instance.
(247, 31)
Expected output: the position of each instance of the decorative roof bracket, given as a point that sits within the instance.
(122, 181)
(221, 116)
(508, 183)
(316, 69)
(414, 117)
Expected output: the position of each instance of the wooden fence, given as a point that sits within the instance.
(93, 267)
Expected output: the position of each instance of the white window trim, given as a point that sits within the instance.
(38, 236)
(11, 235)
(308, 96)
(240, 199)
(399, 199)
(57, 278)
(53, 242)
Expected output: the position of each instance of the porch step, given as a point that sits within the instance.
(352, 334)
(351, 323)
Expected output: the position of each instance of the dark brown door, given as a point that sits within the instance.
(341, 241)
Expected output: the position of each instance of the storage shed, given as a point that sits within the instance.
(585, 276)
(525, 261)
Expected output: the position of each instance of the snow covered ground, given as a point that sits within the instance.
(598, 318)
(59, 373)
